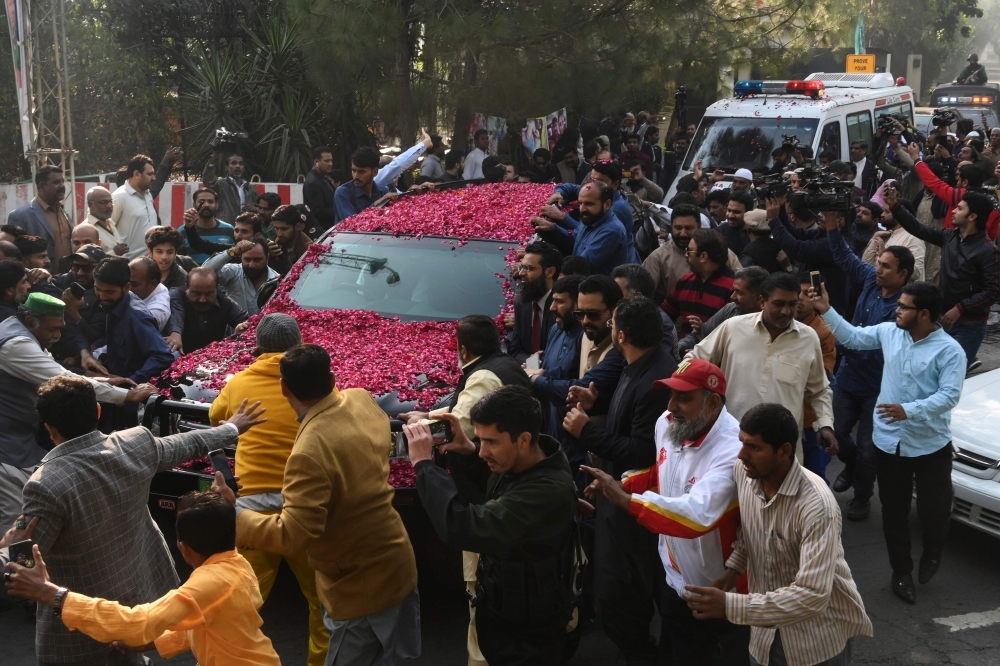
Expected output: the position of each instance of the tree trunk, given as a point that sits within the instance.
(406, 115)
(463, 112)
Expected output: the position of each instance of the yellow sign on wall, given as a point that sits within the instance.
(861, 63)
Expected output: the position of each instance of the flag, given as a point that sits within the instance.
(859, 35)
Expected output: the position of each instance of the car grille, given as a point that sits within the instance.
(976, 461)
(974, 514)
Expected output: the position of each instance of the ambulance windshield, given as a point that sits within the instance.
(727, 143)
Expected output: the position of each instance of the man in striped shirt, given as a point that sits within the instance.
(803, 606)
(707, 288)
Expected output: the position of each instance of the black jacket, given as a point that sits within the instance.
(970, 267)
(519, 337)
(815, 255)
(623, 549)
(317, 193)
(761, 252)
(198, 329)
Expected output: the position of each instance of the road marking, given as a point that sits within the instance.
(970, 620)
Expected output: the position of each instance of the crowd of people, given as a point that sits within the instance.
(649, 431)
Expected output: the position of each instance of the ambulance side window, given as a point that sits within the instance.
(830, 139)
(859, 126)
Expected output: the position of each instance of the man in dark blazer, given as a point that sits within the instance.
(94, 529)
(317, 191)
(629, 575)
(532, 314)
(45, 216)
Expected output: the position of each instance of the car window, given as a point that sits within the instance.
(903, 107)
(830, 139)
(859, 126)
(430, 278)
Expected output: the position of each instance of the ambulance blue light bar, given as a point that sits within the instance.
(812, 89)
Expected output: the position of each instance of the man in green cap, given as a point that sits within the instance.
(974, 73)
(25, 364)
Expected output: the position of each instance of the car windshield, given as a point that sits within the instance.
(415, 280)
(745, 142)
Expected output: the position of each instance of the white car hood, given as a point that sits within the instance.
(976, 419)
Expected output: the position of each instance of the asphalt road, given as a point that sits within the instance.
(968, 583)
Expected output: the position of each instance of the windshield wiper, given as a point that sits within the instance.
(362, 262)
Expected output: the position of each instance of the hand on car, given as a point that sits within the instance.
(174, 342)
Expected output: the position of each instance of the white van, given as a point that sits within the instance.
(826, 111)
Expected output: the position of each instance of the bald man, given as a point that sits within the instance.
(99, 209)
(82, 234)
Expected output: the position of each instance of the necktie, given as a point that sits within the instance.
(536, 328)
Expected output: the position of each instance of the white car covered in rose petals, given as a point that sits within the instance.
(382, 293)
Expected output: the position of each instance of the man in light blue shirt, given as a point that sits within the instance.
(921, 383)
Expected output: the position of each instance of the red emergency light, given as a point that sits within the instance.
(812, 89)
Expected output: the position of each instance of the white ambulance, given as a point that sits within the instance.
(826, 111)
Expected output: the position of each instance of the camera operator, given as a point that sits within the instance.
(522, 520)
(485, 368)
(234, 191)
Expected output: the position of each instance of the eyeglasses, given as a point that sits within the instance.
(590, 314)
(900, 306)
(690, 252)
(83, 268)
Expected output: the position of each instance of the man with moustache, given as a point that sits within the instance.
(688, 498)
(599, 368)
(561, 359)
(45, 216)
(771, 357)
(234, 191)
(86, 312)
(248, 282)
(896, 235)
(600, 237)
(669, 261)
(208, 227)
(533, 316)
(628, 574)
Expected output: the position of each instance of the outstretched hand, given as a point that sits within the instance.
(246, 418)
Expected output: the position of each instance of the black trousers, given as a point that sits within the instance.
(507, 644)
(896, 477)
(694, 642)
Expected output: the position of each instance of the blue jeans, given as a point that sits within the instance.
(970, 335)
(814, 455)
(850, 410)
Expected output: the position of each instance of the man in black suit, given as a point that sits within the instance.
(629, 576)
(866, 166)
(317, 192)
(532, 316)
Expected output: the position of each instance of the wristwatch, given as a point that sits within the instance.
(57, 605)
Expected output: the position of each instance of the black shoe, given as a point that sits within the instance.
(928, 567)
(975, 365)
(844, 480)
(858, 509)
(902, 587)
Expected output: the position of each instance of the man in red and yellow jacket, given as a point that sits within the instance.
(689, 499)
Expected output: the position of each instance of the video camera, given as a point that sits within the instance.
(944, 116)
(792, 141)
(887, 123)
(823, 191)
(771, 186)
(225, 141)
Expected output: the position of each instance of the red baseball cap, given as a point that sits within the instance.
(695, 374)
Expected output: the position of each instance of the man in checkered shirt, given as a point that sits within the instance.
(94, 528)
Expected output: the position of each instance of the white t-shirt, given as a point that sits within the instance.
(158, 304)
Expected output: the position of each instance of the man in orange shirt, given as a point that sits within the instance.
(213, 614)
